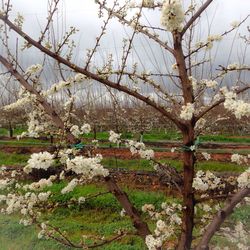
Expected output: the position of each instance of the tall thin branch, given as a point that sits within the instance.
(195, 16)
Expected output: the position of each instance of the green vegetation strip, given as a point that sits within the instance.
(98, 216)
(136, 164)
(13, 159)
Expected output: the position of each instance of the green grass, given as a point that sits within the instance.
(25, 142)
(133, 164)
(141, 164)
(99, 216)
(224, 138)
(17, 131)
(13, 159)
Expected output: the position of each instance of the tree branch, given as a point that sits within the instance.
(220, 217)
(199, 116)
(195, 16)
(47, 107)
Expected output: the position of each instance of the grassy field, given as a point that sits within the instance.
(99, 216)
(155, 136)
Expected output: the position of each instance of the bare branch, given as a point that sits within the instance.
(195, 16)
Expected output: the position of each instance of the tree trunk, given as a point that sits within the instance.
(10, 130)
(187, 192)
(94, 131)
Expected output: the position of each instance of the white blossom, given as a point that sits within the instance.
(33, 69)
(42, 160)
(146, 154)
(70, 187)
(244, 179)
(153, 242)
(81, 200)
(172, 15)
(239, 159)
(44, 196)
(235, 24)
(206, 156)
(114, 137)
(204, 181)
(86, 128)
(87, 167)
(75, 130)
(79, 77)
(187, 111)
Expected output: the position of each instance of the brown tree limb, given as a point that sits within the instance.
(122, 197)
(220, 218)
(195, 16)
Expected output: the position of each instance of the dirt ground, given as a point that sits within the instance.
(124, 153)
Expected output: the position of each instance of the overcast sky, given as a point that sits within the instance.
(82, 14)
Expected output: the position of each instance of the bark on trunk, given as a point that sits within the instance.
(188, 195)
(10, 130)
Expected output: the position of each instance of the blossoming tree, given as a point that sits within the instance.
(194, 93)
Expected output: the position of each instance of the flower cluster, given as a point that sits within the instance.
(244, 179)
(19, 21)
(153, 243)
(235, 24)
(206, 156)
(239, 236)
(70, 187)
(239, 159)
(4, 183)
(42, 160)
(140, 148)
(204, 181)
(210, 83)
(39, 185)
(172, 15)
(187, 112)
(21, 102)
(87, 167)
(76, 131)
(38, 123)
(114, 137)
(164, 228)
(148, 3)
(211, 39)
(64, 154)
(238, 107)
(33, 69)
